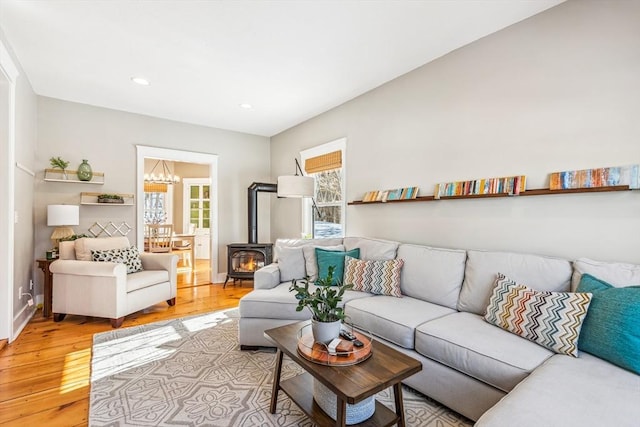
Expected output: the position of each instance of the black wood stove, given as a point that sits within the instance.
(243, 259)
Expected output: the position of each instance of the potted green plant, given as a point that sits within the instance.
(110, 198)
(323, 303)
(59, 163)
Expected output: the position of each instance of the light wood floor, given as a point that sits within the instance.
(44, 374)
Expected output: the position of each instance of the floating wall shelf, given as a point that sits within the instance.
(534, 192)
(92, 199)
(56, 175)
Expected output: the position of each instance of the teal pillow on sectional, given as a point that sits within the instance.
(336, 258)
(611, 329)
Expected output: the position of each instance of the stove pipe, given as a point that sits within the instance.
(252, 204)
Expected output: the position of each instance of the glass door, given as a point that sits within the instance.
(197, 213)
(199, 206)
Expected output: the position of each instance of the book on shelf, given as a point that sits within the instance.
(513, 185)
(596, 177)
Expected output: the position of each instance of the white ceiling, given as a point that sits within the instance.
(291, 60)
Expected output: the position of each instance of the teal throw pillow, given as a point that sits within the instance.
(336, 258)
(611, 329)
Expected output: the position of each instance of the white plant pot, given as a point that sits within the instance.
(325, 332)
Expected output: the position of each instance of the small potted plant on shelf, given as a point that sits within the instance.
(59, 163)
(110, 198)
(323, 304)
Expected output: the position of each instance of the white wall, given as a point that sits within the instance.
(558, 91)
(107, 138)
(21, 247)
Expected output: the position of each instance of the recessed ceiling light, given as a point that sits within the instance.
(246, 106)
(140, 80)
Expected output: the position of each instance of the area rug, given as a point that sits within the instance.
(191, 372)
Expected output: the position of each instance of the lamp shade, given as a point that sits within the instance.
(58, 215)
(296, 186)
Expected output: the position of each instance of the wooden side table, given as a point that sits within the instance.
(43, 264)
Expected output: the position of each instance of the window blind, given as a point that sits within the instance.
(150, 187)
(323, 162)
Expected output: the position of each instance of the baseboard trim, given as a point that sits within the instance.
(30, 312)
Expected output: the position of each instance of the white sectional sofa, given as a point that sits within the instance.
(484, 372)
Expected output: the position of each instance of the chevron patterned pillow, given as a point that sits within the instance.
(375, 277)
(550, 319)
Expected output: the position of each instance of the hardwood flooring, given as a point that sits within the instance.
(45, 373)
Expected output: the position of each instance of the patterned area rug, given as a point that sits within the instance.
(191, 372)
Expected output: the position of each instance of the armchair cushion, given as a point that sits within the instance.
(110, 255)
(85, 245)
(143, 279)
(128, 256)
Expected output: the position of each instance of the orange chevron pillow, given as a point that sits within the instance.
(550, 319)
(375, 277)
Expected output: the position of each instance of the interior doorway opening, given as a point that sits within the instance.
(164, 207)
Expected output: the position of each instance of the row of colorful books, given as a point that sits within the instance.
(509, 184)
(396, 194)
(598, 177)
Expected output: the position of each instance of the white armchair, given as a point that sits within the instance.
(104, 289)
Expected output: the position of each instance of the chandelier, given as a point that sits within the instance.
(163, 176)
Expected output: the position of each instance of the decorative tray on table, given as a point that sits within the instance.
(345, 354)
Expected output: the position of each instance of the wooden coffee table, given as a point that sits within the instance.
(351, 384)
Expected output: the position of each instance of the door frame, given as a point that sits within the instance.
(144, 151)
(9, 73)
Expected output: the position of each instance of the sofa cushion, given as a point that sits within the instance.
(289, 243)
(538, 272)
(291, 264)
(310, 260)
(615, 273)
(85, 245)
(550, 319)
(372, 249)
(570, 392)
(393, 319)
(336, 259)
(145, 278)
(432, 274)
(374, 277)
(280, 303)
(612, 327)
(465, 342)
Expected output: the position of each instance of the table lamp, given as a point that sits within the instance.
(62, 217)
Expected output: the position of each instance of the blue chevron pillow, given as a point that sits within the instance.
(550, 319)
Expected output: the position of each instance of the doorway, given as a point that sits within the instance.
(187, 157)
(8, 76)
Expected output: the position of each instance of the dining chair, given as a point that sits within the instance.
(158, 237)
(184, 248)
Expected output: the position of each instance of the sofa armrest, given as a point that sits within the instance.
(158, 261)
(267, 277)
(88, 268)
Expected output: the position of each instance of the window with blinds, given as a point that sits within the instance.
(324, 163)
